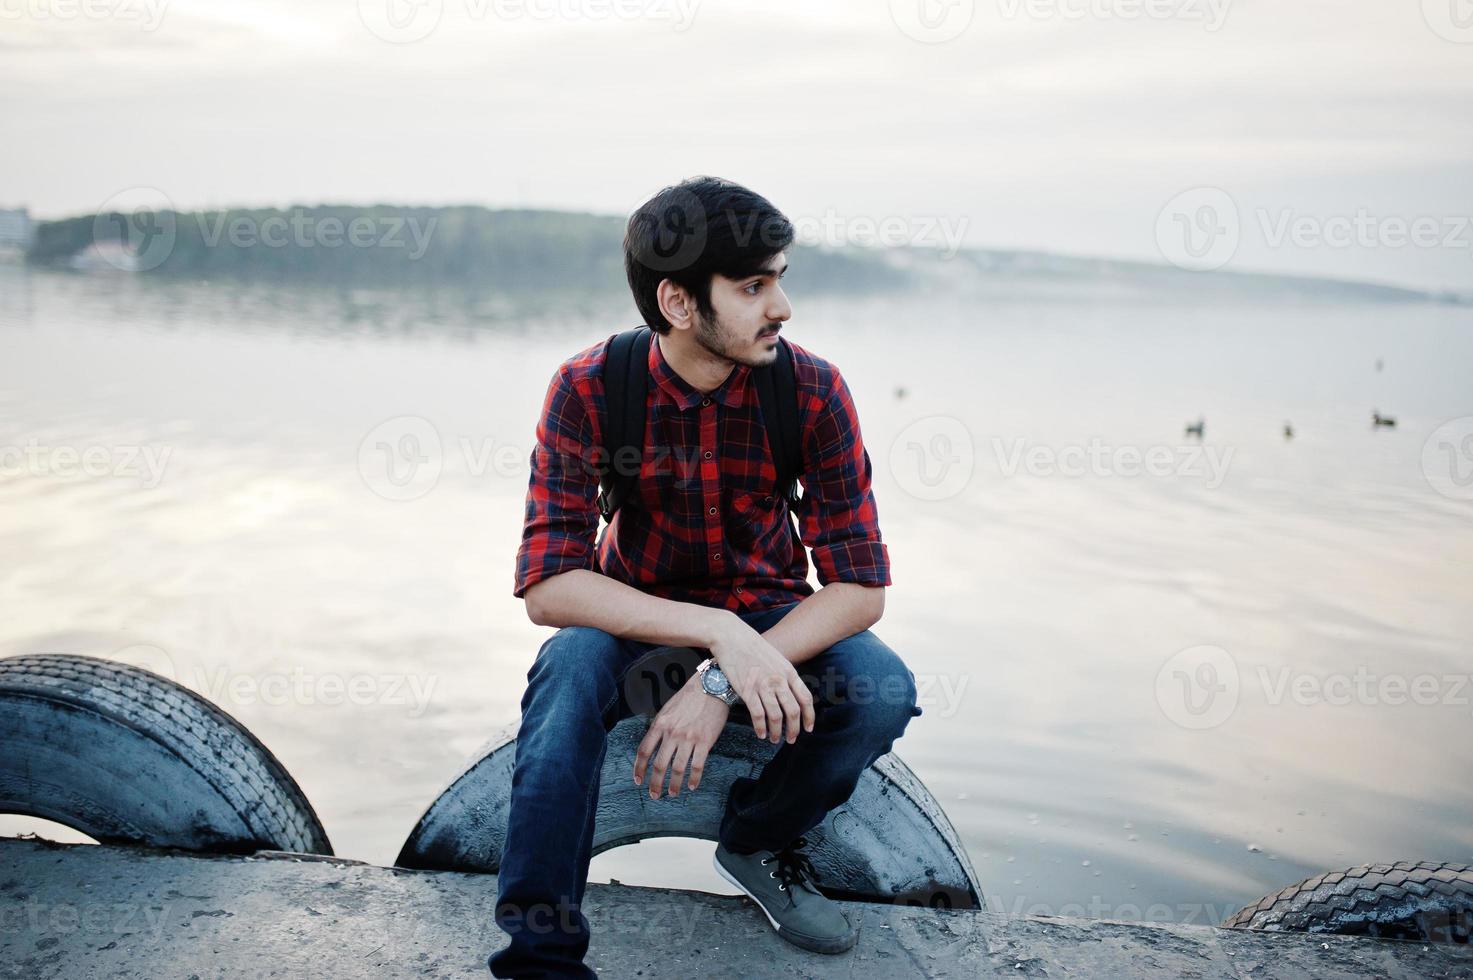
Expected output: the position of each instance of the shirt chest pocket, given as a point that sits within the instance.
(756, 521)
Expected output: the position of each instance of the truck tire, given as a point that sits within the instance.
(891, 842)
(129, 757)
(1424, 901)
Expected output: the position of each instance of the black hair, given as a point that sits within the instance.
(693, 230)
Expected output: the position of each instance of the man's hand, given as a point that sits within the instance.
(684, 731)
(765, 680)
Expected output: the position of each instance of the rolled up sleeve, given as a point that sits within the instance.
(838, 519)
(561, 516)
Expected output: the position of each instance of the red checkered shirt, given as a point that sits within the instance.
(705, 526)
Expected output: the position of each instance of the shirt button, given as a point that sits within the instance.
(705, 401)
(767, 499)
(739, 589)
(708, 454)
(711, 510)
(716, 557)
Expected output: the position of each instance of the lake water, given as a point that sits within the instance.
(1161, 677)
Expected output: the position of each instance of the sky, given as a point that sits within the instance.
(1321, 137)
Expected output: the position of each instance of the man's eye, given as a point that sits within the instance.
(754, 288)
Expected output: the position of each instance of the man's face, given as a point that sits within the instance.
(747, 314)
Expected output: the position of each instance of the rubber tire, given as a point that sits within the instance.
(129, 757)
(891, 842)
(1422, 901)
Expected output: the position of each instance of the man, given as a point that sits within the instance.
(703, 555)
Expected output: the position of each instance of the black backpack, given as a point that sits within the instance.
(626, 387)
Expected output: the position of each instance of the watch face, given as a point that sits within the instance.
(714, 680)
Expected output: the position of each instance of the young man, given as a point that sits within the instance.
(703, 555)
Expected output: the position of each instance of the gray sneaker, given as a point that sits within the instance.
(781, 883)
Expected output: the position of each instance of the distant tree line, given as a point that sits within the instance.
(393, 246)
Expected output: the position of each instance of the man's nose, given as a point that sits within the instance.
(780, 310)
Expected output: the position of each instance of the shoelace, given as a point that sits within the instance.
(793, 867)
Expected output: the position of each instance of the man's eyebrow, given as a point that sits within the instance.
(768, 273)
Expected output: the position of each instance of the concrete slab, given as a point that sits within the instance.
(73, 912)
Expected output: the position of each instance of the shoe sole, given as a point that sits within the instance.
(810, 943)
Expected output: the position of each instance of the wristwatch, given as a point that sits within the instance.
(714, 682)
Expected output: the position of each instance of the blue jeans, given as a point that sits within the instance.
(574, 697)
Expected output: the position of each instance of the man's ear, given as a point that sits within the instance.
(677, 305)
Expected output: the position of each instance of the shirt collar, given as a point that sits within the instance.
(731, 392)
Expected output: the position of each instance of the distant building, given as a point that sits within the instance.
(105, 256)
(15, 229)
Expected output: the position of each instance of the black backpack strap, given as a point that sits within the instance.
(626, 388)
(777, 391)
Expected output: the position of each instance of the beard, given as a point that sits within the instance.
(724, 343)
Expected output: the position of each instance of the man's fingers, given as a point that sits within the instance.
(790, 714)
(759, 716)
(774, 716)
(662, 763)
(805, 702)
(677, 772)
(697, 766)
(642, 757)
